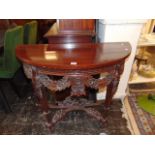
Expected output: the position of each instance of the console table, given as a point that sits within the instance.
(76, 64)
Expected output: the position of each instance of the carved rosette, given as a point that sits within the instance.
(77, 86)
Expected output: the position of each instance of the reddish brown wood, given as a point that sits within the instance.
(76, 63)
(76, 24)
(21, 21)
(71, 31)
(69, 39)
(74, 56)
(112, 86)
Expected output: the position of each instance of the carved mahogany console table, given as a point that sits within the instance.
(76, 64)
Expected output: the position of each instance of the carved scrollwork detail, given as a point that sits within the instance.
(77, 84)
(94, 113)
(96, 83)
(38, 90)
(118, 70)
(74, 101)
(27, 70)
(112, 87)
(116, 76)
(78, 87)
(58, 116)
(54, 85)
(93, 83)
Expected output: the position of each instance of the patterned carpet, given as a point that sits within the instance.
(145, 121)
(27, 119)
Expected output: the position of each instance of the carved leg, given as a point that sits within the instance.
(45, 107)
(40, 95)
(112, 87)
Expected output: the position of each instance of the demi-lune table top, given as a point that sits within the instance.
(73, 56)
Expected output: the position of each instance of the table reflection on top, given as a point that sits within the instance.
(73, 56)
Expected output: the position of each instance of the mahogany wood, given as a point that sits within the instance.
(74, 56)
(71, 31)
(76, 63)
(76, 24)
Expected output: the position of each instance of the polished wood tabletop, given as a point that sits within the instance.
(73, 56)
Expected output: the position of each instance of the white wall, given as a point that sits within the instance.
(121, 31)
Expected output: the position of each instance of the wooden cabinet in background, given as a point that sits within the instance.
(74, 25)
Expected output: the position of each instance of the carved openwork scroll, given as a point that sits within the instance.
(78, 84)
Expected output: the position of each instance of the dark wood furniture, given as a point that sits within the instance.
(71, 31)
(76, 64)
(69, 25)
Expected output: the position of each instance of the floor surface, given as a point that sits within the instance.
(27, 119)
